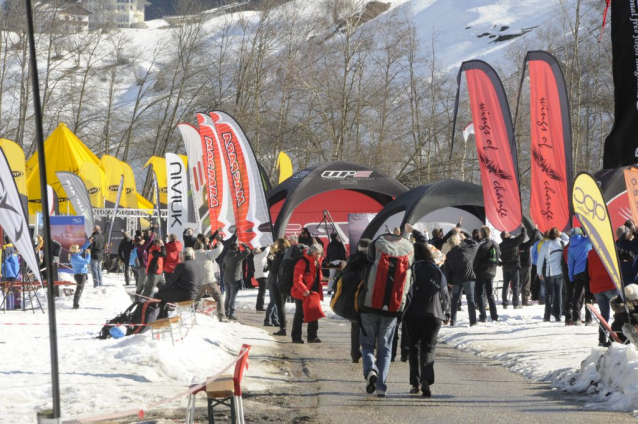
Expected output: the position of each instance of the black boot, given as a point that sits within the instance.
(78, 293)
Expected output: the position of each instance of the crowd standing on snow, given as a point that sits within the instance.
(429, 277)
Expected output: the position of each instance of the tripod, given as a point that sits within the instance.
(29, 288)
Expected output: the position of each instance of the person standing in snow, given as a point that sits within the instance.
(143, 244)
(124, 254)
(275, 312)
(485, 265)
(173, 249)
(232, 267)
(511, 265)
(155, 267)
(189, 238)
(525, 275)
(260, 264)
(459, 273)
(80, 266)
(210, 272)
(550, 272)
(603, 289)
(306, 279)
(97, 255)
(577, 254)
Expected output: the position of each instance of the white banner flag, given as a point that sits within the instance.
(195, 154)
(12, 217)
(177, 195)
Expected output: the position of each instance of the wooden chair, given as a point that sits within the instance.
(186, 312)
(225, 390)
(164, 326)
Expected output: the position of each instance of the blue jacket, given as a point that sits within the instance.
(80, 263)
(579, 247)
(11, 266)
(131, 261)
(535, 252)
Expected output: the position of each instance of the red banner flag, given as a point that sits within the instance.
(631, 180)
(495, 145)
(551, 148)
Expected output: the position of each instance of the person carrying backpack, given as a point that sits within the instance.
(380, 302)
(485, 265)
(550, 271)
(306, 279)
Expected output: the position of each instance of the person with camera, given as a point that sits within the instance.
(80, 266)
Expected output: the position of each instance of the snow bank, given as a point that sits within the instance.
(101, 376)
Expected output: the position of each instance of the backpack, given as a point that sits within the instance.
(387, 280)
(344, 300)
(493, 256)
(287, 267)
(137, 313)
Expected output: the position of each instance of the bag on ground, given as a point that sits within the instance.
(387, 279)
(312, 308)
(137, 313)
(287, 268)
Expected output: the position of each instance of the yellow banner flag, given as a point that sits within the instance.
(15, 156)
(284, 165)
(591, 210)
(94, 178)
(631, 180)
(113, 170)
(129, 197)
(159, 166)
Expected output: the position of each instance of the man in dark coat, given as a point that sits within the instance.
(511, 260)
(97, 255)
(183, 284)
(525, 277)
(189, 238)
(485, 264)
(459, 273)
(233, 273)
(124, 254)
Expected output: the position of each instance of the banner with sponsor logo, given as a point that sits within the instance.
(15, 156)
(94, 178)
(156, 199)
(621, 146)
(591, 211)
(220, 209)
(78, 195)
(177, 197)
(631, 180)
(13, 218)
(116, 207)
(195, 155)
(68, 230)
(495, 144)
(551, 147)
(129, 194)
(113, 171)
(159, 167)
(252, 217)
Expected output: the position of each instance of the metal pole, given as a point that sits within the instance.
(37, 112)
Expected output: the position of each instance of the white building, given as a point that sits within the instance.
(116, 13)
(62, 16)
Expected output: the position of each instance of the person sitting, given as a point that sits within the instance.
(183, 284)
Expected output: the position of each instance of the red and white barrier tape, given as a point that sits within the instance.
(140, 412)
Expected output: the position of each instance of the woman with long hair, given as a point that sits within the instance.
(80, 266)
(427, 310)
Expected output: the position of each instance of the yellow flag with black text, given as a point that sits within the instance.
(591, 210)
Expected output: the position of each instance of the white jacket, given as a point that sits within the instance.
(259, 261)
(206, 259)
(551, 255)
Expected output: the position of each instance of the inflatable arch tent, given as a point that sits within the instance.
(439, 204)
(341, 188)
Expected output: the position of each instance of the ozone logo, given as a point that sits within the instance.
(94, 190)
(340, 175)
(114, 188)
(589, 205)
(164, 190)
(17, 174)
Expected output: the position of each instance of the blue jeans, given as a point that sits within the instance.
(96, 272)
(603, 299)
(232, 288)
(468, 286)
(272, 314)
(379, 329)
(553, 296)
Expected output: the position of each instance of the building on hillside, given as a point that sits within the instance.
(62, 16)
(116, 13)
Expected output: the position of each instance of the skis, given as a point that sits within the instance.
(604, 324)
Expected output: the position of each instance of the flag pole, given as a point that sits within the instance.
(37, 112)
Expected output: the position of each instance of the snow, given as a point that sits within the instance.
(103, 376)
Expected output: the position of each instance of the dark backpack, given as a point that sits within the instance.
(137, 313)
(287, 267)
(493, 256)
(344, 301)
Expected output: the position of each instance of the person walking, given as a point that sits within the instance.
(210, 274)
(97, 255)
(306, 279)
(275, 312)
(511, 265)
(173, 249)
(459, 273)
(550, 272)
(155, 267)
(124, 254)
(579, 247)
(485, 264)
(80, 265)
(260, 263)
(232, 267)
(428, 307)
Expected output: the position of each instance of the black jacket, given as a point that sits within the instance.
(124, 251)
(439, 242)
(509, 250)
(189, 241)
(525, 249)
(482, 268)
(459, 263)
(226, 244)
(232, 265)
(336, 251)
(97, 246)
(186, 277)
(429, 295)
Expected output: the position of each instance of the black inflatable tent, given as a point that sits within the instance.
(612, 184)
(338, 187)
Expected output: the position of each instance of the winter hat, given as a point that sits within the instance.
(631, 292)
(363, 244)
(576, 231)
(118, 332)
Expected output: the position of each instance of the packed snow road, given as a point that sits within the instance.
(326, 386)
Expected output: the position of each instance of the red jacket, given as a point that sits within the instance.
(599, 279)
(173, 249)
(303, 280)
(156, 260)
